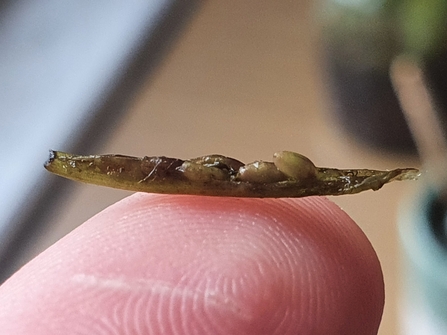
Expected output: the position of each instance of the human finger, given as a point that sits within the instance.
(154, 264)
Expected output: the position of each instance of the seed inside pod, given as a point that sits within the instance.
(260, 172)
(294, 165)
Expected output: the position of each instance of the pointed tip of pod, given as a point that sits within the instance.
(408, 174)
(51, 158)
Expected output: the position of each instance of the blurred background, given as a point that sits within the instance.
(188, 78)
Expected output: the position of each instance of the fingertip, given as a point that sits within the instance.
(180, 264)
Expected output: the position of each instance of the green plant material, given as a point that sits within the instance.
(372, 32)
(290, 175)
(423, 25)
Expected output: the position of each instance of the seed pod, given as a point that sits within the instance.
(291, 175)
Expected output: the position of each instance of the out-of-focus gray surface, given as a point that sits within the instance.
(58, 63)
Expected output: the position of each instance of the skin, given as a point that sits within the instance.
(170, 264)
